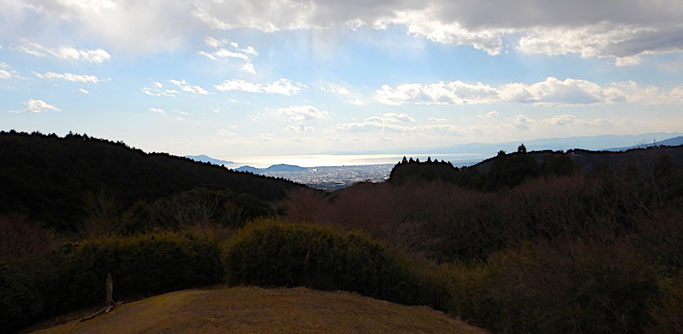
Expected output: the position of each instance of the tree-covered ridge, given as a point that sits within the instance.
(58, 180)
(507, 170)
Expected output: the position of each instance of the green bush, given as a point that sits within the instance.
(270, 253)
(667, 313)
(560, 288)
(74, 275)
(19, 302)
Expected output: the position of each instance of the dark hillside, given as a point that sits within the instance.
(54, 180)
(539, 242)
(509, 170)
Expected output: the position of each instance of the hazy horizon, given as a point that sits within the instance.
(301, 78)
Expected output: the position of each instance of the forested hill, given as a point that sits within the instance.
(47, 178)
(510, 169)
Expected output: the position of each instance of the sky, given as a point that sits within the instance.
(252, 78)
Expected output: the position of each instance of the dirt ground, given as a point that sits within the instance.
(257, 310)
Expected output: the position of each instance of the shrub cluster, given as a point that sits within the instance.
(265, 253)
(217, 207)
(570, 288)
(277, 254)
(73, 275)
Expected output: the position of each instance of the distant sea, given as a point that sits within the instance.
(319, 160)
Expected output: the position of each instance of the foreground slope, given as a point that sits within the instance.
(257, 310)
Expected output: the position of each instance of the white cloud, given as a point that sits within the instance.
(454, 92)
(212, 42)
(300, 128)
(157, 111)
(550, 92)
(335, 89)
(223, 53)
(396, 118)
(83, 91)
(422, 23)
(250, 50)
(84, 78)
(396, 123)
(624, 30)
(226, 133)
(249, 67)
(281, 86)
(158, 90)
(240, 85)
(491, 115)
(301, 113)
(342, 91)
(436, 119)
(6, 72)
(185, 87)
(626, 44)
(97, 56)
(522, 122)
(37, 106)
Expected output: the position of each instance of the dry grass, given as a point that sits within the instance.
(257, 310)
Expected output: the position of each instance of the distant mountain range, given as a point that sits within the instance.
(273, 168)
(480, 151)
(206, 158)
(594, 143)
(676, 141)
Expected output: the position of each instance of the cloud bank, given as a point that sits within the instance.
(624, 30)
(549, 92)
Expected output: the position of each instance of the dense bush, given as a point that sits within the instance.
(19, 302)
(278, 254)
(197, 206)
(74, 275)
(666, 313)
(571, 288)
(20, 237)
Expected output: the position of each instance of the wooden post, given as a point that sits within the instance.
(109, 303)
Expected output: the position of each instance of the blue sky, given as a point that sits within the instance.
(233, 78)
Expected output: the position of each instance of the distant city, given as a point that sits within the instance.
(332, 178)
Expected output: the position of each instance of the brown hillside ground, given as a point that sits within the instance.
(257, 310)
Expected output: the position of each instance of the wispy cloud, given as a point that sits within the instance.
(281, 86)
(623, 30)
(224, 49)
(157, 89)
(38, 106)
(550, 92)
(6, 72)
(96, 56)
(301, 113)
(84, 78)
(185, 87)
(342, 91)
(158, 111)
(398, 123)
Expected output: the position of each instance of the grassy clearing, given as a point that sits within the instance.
(257, 310)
